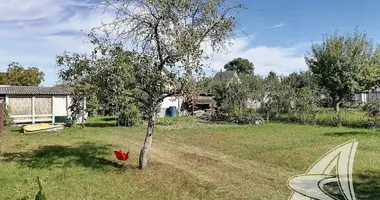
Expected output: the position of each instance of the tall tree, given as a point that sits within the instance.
(340, 64)
(240, 65)
(299, 80)
(102, 80)
(19, 76)
(272, 76)
(205, 84)
(167, 34)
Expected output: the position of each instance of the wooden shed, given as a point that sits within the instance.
(32, 104)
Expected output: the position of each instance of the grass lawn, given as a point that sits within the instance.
(190, 160)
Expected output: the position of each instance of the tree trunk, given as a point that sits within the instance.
(144, 153)
(337, 111)
(83, 111)
(336, 107)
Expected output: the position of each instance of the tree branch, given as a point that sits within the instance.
(222, 17)
(157, 39)
(171, 93)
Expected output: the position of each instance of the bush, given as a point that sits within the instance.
(368, 107)
(129, 117)
(353, 104)
(326, 102)
(373, 114)
(7, 116)
(222, 117)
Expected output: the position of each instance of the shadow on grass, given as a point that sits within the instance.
(87, 155)
(366, 186)
(107, 119)
(15, 130)
(100, 125)
(351, 133)
(220, 123)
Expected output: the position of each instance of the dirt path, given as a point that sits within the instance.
(235, 178)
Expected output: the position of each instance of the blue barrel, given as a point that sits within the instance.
(172, 111)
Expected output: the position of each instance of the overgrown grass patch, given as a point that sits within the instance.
(327, 117)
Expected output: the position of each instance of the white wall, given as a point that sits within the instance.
(168, 102)
(364, 97)
(171, 101)
(361, 97)
(60, 106)
(373, 96)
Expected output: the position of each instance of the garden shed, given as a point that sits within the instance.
(32, 104)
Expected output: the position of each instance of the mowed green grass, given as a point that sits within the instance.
(190, 160)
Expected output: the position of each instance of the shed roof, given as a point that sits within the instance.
(224, 76)
(35, 90)
(204, 100)
(374, 89)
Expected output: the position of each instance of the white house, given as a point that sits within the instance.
(32, 104)
(173, 101)
(361, 97)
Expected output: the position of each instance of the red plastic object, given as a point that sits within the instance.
(121, 155)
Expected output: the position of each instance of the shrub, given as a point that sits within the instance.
(129, 117)
(353, 104)
(7, 116)
(374, 115)
(368, 106)
(325, 102)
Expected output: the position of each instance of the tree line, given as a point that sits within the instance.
(17, 75)
(339, 66)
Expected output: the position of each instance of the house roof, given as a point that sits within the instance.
(374, 89)
(224, 76)
(204, 100)
(35, 90)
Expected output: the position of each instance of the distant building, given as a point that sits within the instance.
(226, 76)
(371, 95)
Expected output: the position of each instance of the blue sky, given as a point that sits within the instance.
(280, 32)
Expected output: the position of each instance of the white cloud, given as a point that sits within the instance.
(277, 25)
(33, 32)
(282, 60)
